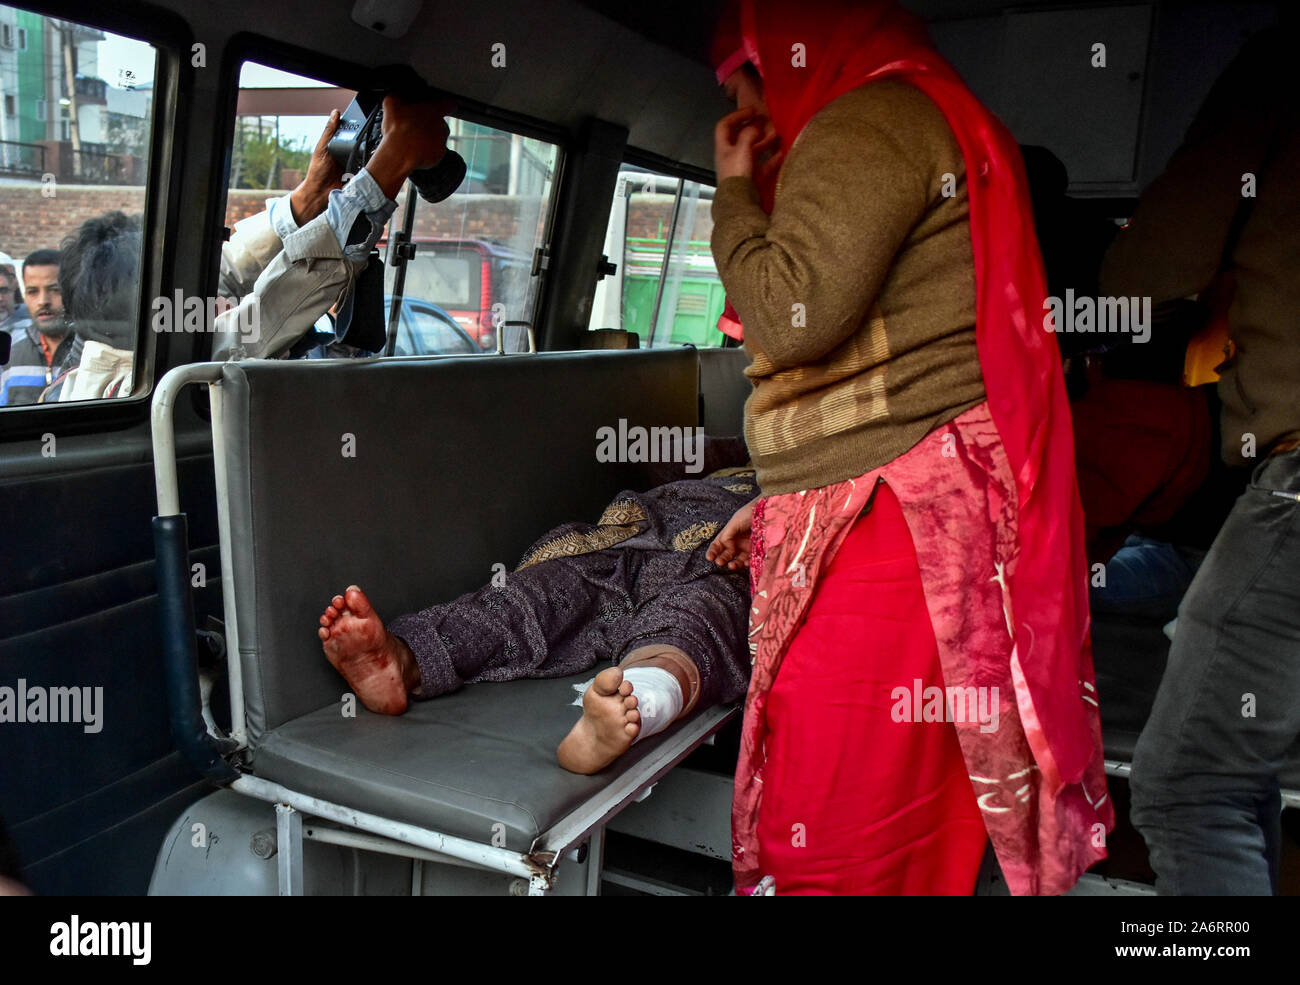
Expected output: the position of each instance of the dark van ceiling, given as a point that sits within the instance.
(641, 65)
(685, 26)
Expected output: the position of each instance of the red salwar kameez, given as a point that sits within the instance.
(859, 802)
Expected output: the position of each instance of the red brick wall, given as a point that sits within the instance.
(496, 217)
(650, 218)
(30, 221)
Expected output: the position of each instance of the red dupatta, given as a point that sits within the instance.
(846, 45)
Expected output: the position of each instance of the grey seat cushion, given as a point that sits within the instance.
(459, 764)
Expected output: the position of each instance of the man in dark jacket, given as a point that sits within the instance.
(1205, 771)
(42, 352)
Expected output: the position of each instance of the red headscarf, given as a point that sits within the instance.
(846, 44)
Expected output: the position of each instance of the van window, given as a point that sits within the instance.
(474, 251)
(75, 134)
(470, 249)
(667, 297)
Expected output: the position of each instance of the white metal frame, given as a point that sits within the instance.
(370, 831)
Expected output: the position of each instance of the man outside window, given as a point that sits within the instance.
(41, 352)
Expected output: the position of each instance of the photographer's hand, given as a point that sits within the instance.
(308, 200)
(415, 137)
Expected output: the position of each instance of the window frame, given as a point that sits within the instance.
(250, 46)
(171, 37)
(668, 168)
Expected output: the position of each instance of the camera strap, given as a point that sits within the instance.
(361, 322)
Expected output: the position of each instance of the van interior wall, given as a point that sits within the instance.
(87, 804)
(1114, 125)
(557, 61)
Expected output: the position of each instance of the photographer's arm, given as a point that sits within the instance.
(255, 241)
(311, 272)
(320, 259)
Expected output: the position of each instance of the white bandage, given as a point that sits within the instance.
(658, 696)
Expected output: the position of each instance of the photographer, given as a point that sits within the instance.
(291, 263)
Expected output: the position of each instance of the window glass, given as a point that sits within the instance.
(474, 250)
(75, 130)
(667, 297)
(445, 275)
(471, 271)
(426, 330)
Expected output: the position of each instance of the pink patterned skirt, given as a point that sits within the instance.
(958, 499)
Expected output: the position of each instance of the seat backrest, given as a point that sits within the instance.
(411, 478)
(724, 388)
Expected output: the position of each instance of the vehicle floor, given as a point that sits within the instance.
(636, 867)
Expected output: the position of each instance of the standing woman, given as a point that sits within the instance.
(922, 670)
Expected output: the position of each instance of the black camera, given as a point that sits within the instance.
(359, 133)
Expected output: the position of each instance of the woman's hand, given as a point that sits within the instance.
(739, 139)
(730, 549)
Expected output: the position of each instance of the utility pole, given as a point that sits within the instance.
(70, 83)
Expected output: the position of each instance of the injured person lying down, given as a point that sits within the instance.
(638, 588)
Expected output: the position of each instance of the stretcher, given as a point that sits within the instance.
(411, 478)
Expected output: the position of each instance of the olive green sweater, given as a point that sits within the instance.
(857, 294)
(1175, 242)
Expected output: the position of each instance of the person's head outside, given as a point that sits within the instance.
(10, 294)
(44, 296)
(100, 279)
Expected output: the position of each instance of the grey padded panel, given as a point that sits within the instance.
(459, 464)
(458, 764)
(1129, 656)
(724, 388)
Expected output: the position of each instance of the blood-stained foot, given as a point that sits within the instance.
(608, 726)
(378, 666)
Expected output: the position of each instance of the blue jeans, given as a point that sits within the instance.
(1146, 578)
(1204, 784)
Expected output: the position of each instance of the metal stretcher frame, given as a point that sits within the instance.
(1115, 767)
(538, 865)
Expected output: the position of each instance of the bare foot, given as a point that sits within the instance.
(378, 666)
(609, 724)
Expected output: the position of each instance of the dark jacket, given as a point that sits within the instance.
(26, 376)
(1175, 243)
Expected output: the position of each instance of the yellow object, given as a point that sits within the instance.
(1212, 346)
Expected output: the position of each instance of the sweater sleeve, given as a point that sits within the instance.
(849, 195)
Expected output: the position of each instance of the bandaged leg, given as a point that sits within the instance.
(659, 698)
(650, 689)
(677, 662)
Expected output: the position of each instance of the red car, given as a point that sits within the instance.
(466, 277)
